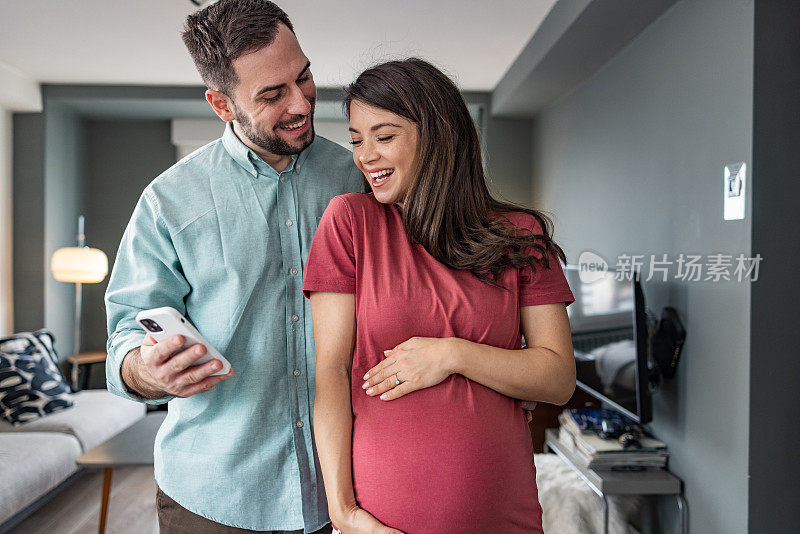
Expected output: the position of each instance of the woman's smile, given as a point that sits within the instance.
(379, 177)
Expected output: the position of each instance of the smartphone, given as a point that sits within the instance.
(162, 323)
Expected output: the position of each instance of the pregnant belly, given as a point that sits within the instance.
(453, 458)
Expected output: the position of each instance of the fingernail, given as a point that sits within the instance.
(369, 391)
(198, 350)
(365, 385)
(215, 366)
(366, 376)
(383, 397)
(387, 351)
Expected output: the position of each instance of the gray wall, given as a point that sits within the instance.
(632, 161)
(28, 233)
(506, 151)
(508, 158)
(122, 157)
(775, 366)
(64, 177)
(48, 197)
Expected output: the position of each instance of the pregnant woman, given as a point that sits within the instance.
(420, 292)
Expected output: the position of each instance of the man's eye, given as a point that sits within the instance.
(354, 142)
(305, 78)
(385, 138)
(272, 98)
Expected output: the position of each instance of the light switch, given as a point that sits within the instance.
(734, 182)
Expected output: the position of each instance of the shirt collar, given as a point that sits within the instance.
(250, 161)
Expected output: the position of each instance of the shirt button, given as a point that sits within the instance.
(293, 271)
(295, 318)
(297, 372)
(288, 222)
(283, 178)
(299, 424)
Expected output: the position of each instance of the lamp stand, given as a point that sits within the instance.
(76, 346)
(77, 336)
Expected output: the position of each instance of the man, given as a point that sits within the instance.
(222, 237)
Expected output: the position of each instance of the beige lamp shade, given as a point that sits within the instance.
(79, 265)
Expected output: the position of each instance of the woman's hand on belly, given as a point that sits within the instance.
(418, 363)
(358, 521)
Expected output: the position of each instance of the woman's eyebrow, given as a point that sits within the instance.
(378, 127)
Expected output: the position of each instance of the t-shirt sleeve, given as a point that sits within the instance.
(331, 264)
(547, 285)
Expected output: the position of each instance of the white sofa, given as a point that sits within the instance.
(37, 457)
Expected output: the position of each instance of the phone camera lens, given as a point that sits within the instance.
(151, 325)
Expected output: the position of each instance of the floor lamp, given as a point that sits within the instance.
(78, 265)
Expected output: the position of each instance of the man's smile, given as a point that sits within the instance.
(297, 127)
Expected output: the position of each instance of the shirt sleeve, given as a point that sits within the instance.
(146, 274)
(547, 285)
(331, 264)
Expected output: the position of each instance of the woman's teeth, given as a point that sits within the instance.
(296, 125)
(381, 176)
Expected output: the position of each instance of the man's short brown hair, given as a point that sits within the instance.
(224, 31)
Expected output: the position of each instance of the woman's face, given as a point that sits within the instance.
(385, 148)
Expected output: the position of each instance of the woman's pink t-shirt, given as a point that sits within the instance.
(456, 457)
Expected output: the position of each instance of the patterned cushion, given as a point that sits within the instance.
(31, 384)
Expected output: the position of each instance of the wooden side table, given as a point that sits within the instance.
(132, 446)
(86, 359)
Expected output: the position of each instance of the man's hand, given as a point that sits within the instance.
(155, 370)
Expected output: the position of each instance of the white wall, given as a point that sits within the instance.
(334, 130)
(190, 134)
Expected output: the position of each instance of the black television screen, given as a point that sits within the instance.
(609, 333)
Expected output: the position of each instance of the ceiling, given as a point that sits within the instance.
(138, 42)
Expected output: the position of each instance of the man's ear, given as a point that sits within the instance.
(221, 104)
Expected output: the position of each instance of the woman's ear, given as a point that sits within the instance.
(221, 104)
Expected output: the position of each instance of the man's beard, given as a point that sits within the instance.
(272, 143)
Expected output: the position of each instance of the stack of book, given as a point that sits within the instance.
(596, 453)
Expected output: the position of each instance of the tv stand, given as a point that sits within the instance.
(605, 483)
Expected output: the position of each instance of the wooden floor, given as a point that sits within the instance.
(76, 509)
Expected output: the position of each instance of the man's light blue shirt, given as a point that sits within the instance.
(223, 238)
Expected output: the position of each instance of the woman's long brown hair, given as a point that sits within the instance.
(448, 208)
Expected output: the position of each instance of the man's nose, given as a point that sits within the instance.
(298, 104)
